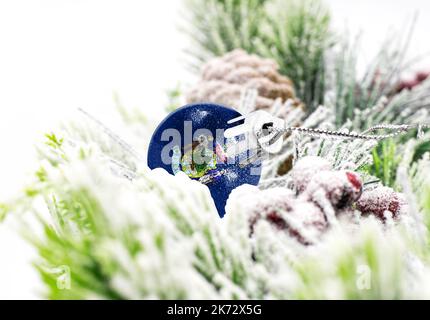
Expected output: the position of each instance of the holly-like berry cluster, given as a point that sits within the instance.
(320, 192)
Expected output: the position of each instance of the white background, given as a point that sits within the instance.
(57, 55)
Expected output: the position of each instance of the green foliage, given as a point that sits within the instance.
(297, 38)
(164, 241)
(385, 162)
(388, 155)
(123, 251)
(352, 95)
(41, 174)
(3, 211)
(159, 237)
(322, 66)
(129, 115)
(421, 149)
(219, 26)
(344, 82)
(418, 174)
(53, 141)
(174, 98)
(360, 268)
(75, 243)
(426, 209)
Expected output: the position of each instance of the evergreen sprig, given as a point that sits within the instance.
(297, 37)
(219, 26)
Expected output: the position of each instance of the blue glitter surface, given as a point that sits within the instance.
(210, 117)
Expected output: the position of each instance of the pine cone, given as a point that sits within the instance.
(225, 78)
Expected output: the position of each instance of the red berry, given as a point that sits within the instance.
(301, 220)
(306, 168)
(379, 201)
(354, 179)
(341, 188)
(411, 83)
(275, 219)
(422, 75)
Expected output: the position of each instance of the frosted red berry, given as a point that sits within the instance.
(341, 188)
(381, 201)
(300, 219)
(307, 168)
(354, 179)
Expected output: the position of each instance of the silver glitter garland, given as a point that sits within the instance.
(365, 135)
(398, 129)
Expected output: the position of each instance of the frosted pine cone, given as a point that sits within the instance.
(381, 201)
(225, 78)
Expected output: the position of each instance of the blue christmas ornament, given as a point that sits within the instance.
(191, 140)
